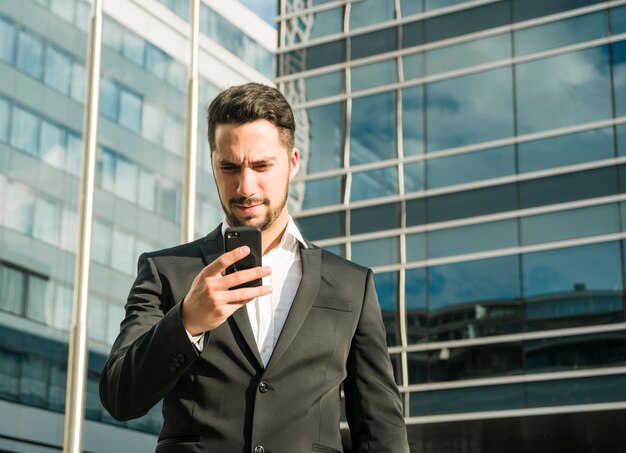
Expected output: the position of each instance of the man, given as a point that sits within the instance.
(255, 370)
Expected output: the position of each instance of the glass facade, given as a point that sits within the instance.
(139, 184)
(472, 154)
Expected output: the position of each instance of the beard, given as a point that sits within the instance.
(271, 213)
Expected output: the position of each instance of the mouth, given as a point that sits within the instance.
(248, 206)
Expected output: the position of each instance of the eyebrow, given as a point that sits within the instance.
(268, 160)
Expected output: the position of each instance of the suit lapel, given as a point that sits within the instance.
(310, 259)
(212, 247)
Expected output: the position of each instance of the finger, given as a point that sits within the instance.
(220, 264)
(242, 296)
(244, 276)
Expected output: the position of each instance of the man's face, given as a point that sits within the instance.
(252, 170)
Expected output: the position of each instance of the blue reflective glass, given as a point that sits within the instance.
(5, 119)
(388, 292)
(473, 282)
(416, 247)
(324, 85)
(618, 20)
(156, 61)
(376, 252)
(412, 66)
(414, 178)
(368, 12)
(373, 128)
(568, 149)
(574, 269)
(620, 132)
(326, 23)
(130, 110)
(374, 183)
(575, 223)
(416, 310)
(477, 399)
(325, 146)
(58, 70)
(375, 74)
(25, 130)
(564, 90)
(413, 120)
(112, 34)
(435, 4)
(78, 84)
(30, 54)
(472, 238)
(323, 192)
(375, 218)
(470, 167)
(561, 33)
(410, 7)
(133, 47)
(109, 98)
(52, 144)
(63, 8)
(602, 389)
(7, 41)
(471, 53)
(323, 226)
(469, 109)
(619, 77)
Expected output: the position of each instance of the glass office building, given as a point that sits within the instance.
(473, 153)
(139, 183)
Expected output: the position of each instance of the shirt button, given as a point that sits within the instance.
(259, 449)
(263, 387)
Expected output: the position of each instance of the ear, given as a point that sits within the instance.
(294, 161)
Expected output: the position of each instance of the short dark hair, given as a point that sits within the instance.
(242, 104)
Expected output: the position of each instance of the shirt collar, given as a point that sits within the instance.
(292, 233)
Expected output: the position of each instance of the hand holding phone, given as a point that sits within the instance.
(239, 236)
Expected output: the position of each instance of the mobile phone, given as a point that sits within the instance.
(236, 237)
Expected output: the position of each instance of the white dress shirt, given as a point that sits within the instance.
(268, 313)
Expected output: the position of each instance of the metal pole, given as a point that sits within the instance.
(191, 133)
(78, 353)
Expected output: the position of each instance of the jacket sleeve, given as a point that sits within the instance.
(151, 352)
(373, 406)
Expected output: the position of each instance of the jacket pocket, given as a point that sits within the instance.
(323, 449)
(333, 304)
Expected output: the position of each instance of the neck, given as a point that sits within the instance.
(272, 236)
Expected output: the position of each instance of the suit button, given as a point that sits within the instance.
(181, 357)
(259, 449)
(172, 368)
(263, 387)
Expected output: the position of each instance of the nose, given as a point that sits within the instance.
(247, 183)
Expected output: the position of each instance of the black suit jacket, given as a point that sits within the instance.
(222, 399)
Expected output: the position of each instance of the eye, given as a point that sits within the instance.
(262, 166)
(229, 168)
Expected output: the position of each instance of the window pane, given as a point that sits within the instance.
(377, 252)
(561, 33)
(326, 23)
(414, 180)
(69, 230)
(416, 312)
(5, 119)
(374, 183)
(97, 319)
(79, 78)
(74, 160)
(12, 290)
(101, 243)
(368, 12)
(63, 8)
(472, 53)
(62, 316)
(436, 4)
(618, 20)
(112, 34)
(130, 110)
(156, 61)
(58, 70)
(412, 66)
(30, 54)
(34, 380)
(375, 74)
(470, 167)
(575, 223)
(126, 179)
(40, 300)
(324, 85)
(147, 190)
(564, 150)
(374, 43)
(133, 47)
(387, 291)
(323, 192)
(570, 270)
(373, 137)
(325, 147)
(24, 130)
(7, 41)
(413, 120)
(375, 218)
(410, 7)
(47, 221)
(472, 238)
(123, 252)
(323, 226)
(173, 135)
(416, 247)
(469, 109)
(109, 98)
(52, 146)
(106, 169)
(619, 77)
(19, 208)
(474, 282)
(564, 90)
(152, 122)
